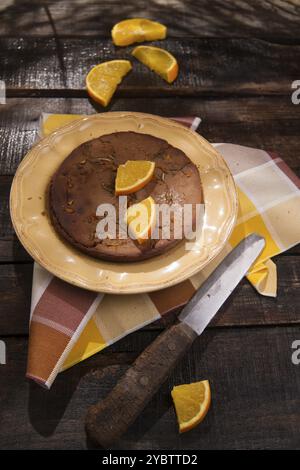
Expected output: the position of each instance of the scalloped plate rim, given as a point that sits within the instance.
(107, 285)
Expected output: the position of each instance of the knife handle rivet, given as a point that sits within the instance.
(171, 346)
(144, 380)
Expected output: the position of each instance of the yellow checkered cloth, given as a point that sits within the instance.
(269, 203)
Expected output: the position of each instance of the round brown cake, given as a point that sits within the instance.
(86, 178)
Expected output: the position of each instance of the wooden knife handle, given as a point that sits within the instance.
(109, 419)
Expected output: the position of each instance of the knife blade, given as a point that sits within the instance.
(219, 285)
(109, 419)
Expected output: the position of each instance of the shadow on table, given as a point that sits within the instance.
(91, 380)
(161, 404)
(183, 18)
(75, 390)
(46, 408)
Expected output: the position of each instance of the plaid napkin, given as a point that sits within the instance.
(69, 324)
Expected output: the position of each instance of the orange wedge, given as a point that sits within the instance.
(133, 175)
(141, 218)
(158, 60)
(137, 30)
(192, 402)
(103, 79)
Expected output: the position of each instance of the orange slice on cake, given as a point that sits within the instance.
(192, 402)
(103, 79)
(141, 219)
(133, 175)
(137, 30)
(159, 60)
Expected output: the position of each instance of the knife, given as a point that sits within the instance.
(109, 419)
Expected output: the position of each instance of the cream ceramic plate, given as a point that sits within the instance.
(28, 207)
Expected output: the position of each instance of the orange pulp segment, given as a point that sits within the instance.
(141, 219)
(103, 79)
(159, 60)
(133, 30)
(133, 175)
(192, 402)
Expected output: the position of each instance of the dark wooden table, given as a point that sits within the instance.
(237, 62)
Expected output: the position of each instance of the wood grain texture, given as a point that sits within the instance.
(15, 293)
(45, 66)
(245, 307)
(255, 395)
(241, 89)
(270, 123)
(273, 18)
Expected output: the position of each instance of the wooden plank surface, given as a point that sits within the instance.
(45, 66)
(261, 18)
(254, 386)
(241, 88)
(245, 307)
(270, 123)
